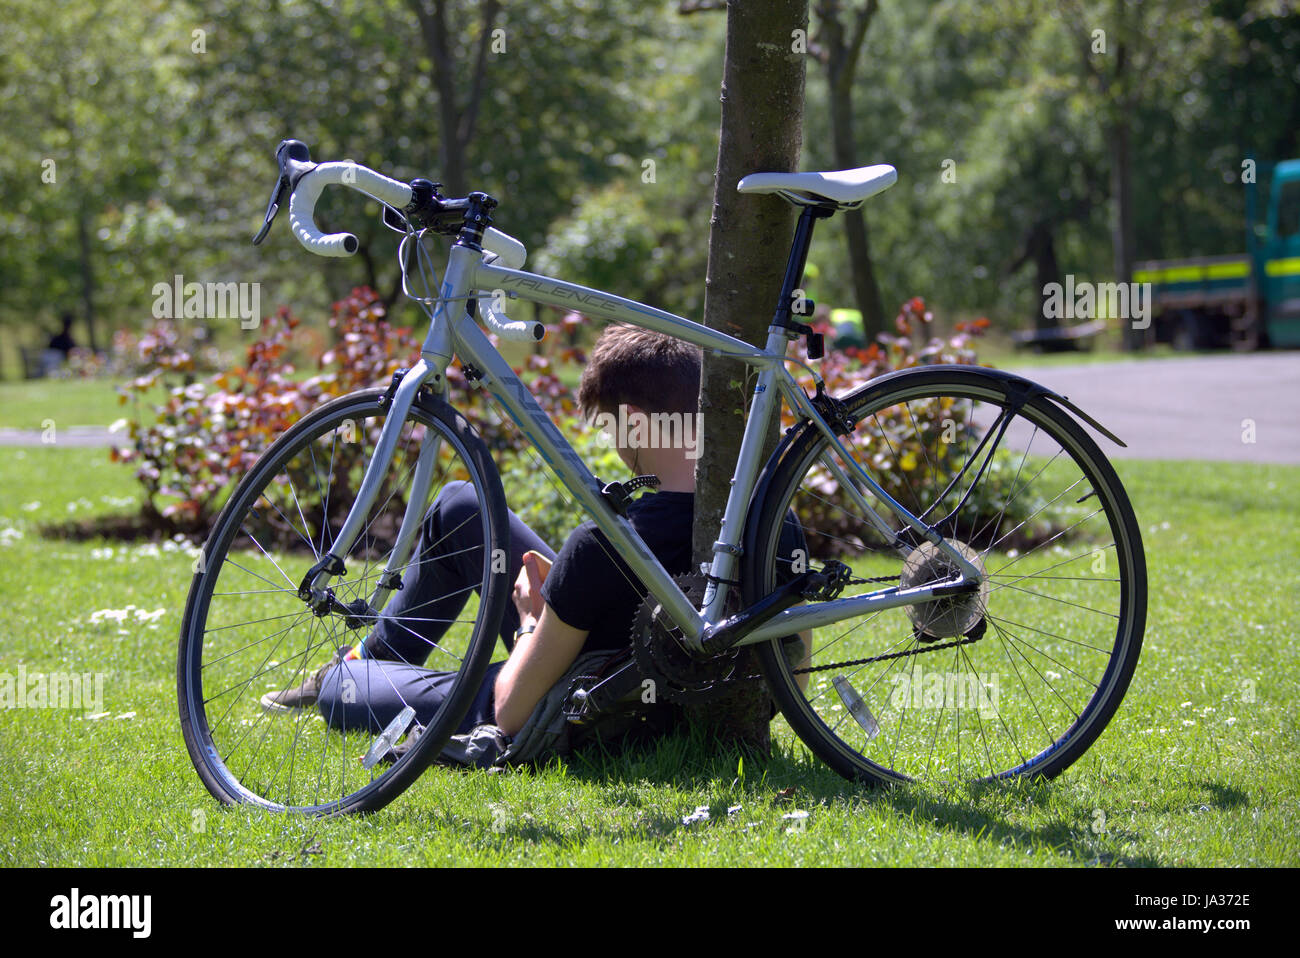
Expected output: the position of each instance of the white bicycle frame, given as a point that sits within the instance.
(452, 331)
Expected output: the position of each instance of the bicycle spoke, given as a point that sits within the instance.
(1002, 483)
(258, 644)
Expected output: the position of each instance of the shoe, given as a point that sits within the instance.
(306, 694)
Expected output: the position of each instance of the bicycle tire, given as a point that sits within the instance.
(219, 683)
(1011, 629)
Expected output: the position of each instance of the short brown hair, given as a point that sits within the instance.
(636, 367)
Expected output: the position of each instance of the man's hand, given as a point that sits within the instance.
(527, 592)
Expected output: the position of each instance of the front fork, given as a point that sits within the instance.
(401, 394)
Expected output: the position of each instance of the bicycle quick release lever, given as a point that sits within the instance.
(295, 162)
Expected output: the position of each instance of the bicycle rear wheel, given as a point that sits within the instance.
(246, 632)
(1017, 679)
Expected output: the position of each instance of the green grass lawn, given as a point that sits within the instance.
(1197, 768)
(69, 402)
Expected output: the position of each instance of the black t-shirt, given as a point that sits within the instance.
(591, 588)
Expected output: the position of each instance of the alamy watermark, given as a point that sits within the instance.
(947, 690)
(75, 911)
(635, 429)
(51, 690)
(1130, 302)
(181, 300)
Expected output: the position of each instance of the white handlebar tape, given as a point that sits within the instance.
(518, 330)
(302, 204)
(498, 248)
(509, 251)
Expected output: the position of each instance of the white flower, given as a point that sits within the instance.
(106, 615)
(700, 814)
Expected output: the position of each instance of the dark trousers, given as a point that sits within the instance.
(447, 565)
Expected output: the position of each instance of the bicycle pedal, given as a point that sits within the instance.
(386, 739)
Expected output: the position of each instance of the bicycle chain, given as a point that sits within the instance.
(888, 655)
(883, 657)
(703, 694)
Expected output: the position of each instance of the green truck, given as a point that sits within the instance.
(1246, 301)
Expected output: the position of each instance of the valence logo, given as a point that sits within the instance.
(77, 911)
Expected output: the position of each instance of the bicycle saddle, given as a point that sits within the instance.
(844, 189)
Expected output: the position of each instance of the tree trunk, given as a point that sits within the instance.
(1041, 248)
(456, 122)
(1120, 87)
(1121, 187)
(749, 239)
(87, 277)
(841, 65)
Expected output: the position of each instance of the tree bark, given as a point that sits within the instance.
(749, 239)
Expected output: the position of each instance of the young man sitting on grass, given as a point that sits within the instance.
(586, 603)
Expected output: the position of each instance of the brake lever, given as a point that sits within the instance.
(295, 162)
(272, 208)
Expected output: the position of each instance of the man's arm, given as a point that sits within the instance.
(539, 660)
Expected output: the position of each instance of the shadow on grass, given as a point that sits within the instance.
(965, 813)
(731, 776)
(723, 777)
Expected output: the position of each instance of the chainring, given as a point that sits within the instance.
(661, 655)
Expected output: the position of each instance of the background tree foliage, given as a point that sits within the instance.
(136, 141)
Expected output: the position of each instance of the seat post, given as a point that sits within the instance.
(798, 261)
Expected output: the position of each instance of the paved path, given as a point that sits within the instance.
(1197, 407)
(64, 436)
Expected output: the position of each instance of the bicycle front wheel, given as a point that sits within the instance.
(248, 638)
(1015, 679)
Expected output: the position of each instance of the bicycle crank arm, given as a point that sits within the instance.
(625, 685)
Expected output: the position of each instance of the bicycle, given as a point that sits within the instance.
(980, 621)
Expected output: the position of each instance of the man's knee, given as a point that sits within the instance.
(453, 522)
(453, 507)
